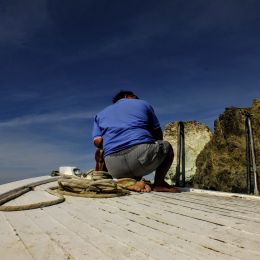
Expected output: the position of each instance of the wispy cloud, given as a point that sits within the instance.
(34, 145)
(46, 118)
(21, 158)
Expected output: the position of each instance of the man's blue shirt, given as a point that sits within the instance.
(126, 123)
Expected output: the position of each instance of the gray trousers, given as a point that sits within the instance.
(138, 160)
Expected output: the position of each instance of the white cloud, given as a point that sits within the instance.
(45, 118)
(31, 146)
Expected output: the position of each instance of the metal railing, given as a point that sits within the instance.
(252, 178)
(180, 168)
(252, 185)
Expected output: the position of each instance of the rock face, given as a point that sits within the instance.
(197, 135)
(222, 164)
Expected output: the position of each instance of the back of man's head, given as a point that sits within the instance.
(123, 94)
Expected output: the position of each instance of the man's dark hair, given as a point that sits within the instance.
(123, 94)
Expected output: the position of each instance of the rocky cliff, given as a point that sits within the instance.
(196, 136)
(222, 164)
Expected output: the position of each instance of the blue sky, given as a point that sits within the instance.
(62, 61)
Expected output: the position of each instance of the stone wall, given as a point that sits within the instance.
(196, 137)
(222, 164)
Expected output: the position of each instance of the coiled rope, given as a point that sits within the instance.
(99, 185)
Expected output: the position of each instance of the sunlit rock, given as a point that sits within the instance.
(197, 135)
(222, 164)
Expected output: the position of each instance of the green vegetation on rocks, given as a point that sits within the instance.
(222, 164)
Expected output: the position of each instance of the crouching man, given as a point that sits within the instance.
(130, 135)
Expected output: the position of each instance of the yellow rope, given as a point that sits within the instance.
(100, 185)
(15, 193)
